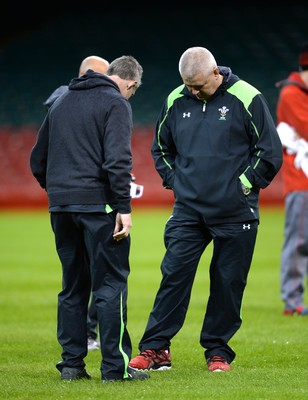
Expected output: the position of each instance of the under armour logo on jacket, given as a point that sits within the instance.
(246, 226)
(186, 115)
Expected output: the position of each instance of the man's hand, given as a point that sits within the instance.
(122, 227)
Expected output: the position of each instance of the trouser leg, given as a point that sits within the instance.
(185, 243)
(109, 264)
(233, 249)
(294, 255)
(76, 285)
(92, 322)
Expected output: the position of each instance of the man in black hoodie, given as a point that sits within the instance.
(82, 158)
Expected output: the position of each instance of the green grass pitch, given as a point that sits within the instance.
(271, 361)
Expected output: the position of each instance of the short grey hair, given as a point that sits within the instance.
(195, 60)
(127, 68)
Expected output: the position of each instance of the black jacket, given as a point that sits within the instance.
(203, 150)
(83, 150)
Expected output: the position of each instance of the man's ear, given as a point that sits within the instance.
(216, 71)
(131, 84)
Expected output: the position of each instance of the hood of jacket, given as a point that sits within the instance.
(90, 80)
(228, 80)
(293, 79)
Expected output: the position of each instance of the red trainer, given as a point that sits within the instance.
(217, 364)
(151, 360)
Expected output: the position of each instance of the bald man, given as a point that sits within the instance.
(100, 65)
(95, 63)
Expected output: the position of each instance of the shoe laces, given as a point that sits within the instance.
(147, 353)
(155, 354)
(213, 359)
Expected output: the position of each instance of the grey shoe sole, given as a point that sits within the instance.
(72, 374)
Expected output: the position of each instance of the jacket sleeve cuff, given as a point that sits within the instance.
(245, 181)
(124, 208)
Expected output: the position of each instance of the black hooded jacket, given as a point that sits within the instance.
(83, 150)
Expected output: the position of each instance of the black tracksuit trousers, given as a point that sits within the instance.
(186, 237)
(88, 253)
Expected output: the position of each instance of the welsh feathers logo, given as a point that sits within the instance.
(223, 112)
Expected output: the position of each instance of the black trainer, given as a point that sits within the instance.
(132, 376)
(72, 374)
